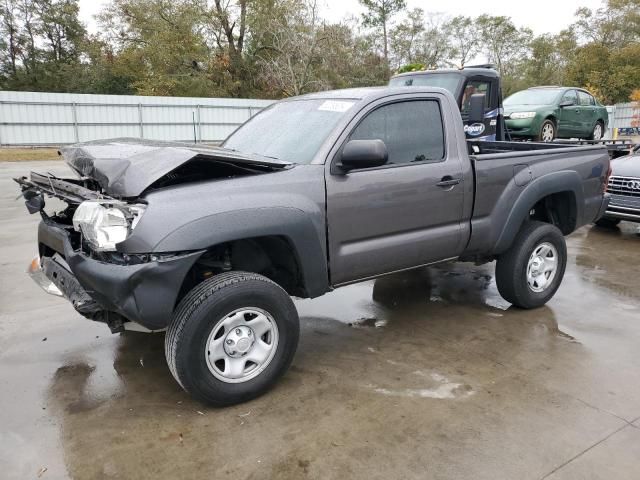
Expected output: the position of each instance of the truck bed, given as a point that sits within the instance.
(616, 148)
(502, 170)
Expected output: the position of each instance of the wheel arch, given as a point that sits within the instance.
(283, 244)
(556, 198)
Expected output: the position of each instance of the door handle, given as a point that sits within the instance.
(448, 181)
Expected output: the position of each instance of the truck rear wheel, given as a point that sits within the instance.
(530, 272)
(231, 338)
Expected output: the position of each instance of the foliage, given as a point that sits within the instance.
(378, 15)
(412, 67)
(466, 37)
(275, 48)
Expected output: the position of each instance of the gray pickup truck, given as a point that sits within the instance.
(313, 193)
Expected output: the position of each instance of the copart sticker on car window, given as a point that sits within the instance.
(335, 106)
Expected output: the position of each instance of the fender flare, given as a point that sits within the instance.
(291, 223)
(557, 182)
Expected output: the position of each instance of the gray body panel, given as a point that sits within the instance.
(288, 203)
(395, 217)
(508, 185)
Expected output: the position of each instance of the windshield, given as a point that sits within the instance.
(448, 81)
(536, 96)
(291, 131)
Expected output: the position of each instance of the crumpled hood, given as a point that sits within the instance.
(627, 166)
(125, 167)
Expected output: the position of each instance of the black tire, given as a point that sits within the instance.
(198, 313)
(593, 132)
(606, 222)
(548, 123)
(511, 268)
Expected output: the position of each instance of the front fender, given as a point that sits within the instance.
(291, 223)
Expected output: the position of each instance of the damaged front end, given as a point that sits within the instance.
(77, 258)
(80, 247)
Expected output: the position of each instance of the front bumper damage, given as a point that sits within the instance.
(144, 293)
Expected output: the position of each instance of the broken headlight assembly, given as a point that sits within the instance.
(105, 223)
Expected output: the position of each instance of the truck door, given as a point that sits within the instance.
(408, 212)
(489, 87)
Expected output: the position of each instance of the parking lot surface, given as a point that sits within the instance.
(425, 374)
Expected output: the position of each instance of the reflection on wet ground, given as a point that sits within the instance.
(424, 374)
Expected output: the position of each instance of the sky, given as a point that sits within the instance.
(542, 16)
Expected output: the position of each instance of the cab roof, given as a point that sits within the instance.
(365, 93)
(465, 72)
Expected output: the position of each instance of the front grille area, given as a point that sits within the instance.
(624, 186)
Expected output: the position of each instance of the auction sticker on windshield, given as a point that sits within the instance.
(335, 106)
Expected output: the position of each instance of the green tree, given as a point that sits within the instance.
(404, 38)
(44, 44)
(434, 45)
(614, 25)
(507, 46)
(292, 52)
(158, 44)
(549, 58)
(611, 74)
(465, 38)
(379, 15)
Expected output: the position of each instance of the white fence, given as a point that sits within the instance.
(34, 118)
(626, 119)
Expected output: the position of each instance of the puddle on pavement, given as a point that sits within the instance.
(368, 323)
(372, 304)
(435, 386)
(609, 258)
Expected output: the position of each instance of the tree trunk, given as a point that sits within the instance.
(386, 43)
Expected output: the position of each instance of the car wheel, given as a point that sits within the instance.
(547, 131)
(608, 222)
(598, 131)
(231, 338)
(530, 272)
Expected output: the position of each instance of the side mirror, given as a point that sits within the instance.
(477, 106)
(566, 103)
(363, 154)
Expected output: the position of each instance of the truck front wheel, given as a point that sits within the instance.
(232, 337)
(530, 272)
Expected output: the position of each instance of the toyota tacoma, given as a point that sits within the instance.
(314, 192)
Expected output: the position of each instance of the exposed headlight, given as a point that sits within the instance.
(103, 224)
(519, 115)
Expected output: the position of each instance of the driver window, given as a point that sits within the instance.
(570, 96)
(473, 87)
(411, 130)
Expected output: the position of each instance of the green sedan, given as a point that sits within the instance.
(546, 113)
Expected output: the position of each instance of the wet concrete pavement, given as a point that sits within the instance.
(427, 374)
